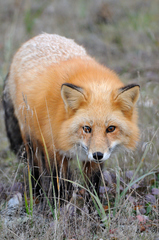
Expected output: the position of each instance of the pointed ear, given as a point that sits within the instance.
(127, 96)
(72, 96)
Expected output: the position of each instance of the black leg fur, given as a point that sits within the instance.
(11, 122)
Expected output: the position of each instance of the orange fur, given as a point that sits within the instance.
(50, 112)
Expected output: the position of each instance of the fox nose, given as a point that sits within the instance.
(98, 156)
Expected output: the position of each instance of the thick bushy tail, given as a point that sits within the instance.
(11, 122)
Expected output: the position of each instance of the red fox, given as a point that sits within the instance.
(61, 104)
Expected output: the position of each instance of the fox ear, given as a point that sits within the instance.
(127, 96)
(72, 96)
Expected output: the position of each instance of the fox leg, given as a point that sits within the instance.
(92, 172)
(35, 159)
(61, 174)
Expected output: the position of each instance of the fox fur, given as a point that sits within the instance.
(61, 104)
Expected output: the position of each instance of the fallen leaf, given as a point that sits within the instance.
(107, 177)
(82, 192)
(135, 186)
(152, 181)
(138, 207)
(130, 174)
(142, 228)
(112, 231)
(131, 198)
(150, 198)
(155, 191)
(102, 190)
(105, 207)
(142, 218)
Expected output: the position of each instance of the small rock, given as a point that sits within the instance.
(15, 201)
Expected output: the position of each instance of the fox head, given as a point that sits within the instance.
(98, 121)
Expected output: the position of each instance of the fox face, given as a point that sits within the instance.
(98, 124)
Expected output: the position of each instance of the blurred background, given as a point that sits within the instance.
(123, 35)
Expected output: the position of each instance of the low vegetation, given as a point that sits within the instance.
(123, 35)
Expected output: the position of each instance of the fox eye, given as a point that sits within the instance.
(110, 129)
(87, 129)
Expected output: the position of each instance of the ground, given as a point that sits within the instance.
(124, 36)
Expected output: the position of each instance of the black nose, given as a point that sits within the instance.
(98, 155)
